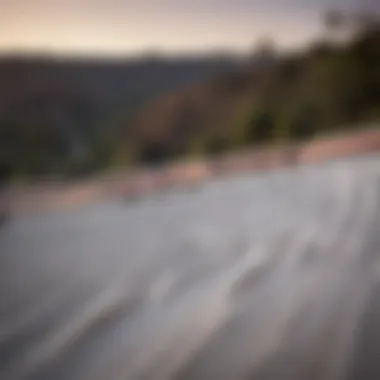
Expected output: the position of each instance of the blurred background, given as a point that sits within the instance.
(90, 86)
(267, 276)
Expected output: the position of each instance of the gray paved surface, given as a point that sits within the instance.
(272, 276)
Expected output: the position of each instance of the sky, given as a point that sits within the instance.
(132, 27)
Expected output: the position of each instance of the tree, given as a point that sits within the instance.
(152, 153)
(365, 21)
(334, 21)
(303, 122)
(337, 25)
(260, 128)
(264, 50)
(6, 172)
(216, 145)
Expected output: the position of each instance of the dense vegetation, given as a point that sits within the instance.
(63, 116)
(331, 86)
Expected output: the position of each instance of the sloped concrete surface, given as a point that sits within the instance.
(266, 276)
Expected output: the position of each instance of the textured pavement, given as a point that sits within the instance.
(267, 276)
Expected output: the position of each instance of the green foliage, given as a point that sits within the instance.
(209, 146)
(31, 149)
(261, 126)
(6, 172)
(299, 123)
(196, 147)
(294, 98)
(216, 145)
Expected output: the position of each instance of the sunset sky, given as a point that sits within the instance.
(128, 27)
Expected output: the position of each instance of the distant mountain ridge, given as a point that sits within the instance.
(70, 100)
(106, 82)
(76, 117)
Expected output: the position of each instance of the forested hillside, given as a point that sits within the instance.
(55, 114)
(327, 88)
(66, 118)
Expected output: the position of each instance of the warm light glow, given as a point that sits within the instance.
(118, 27)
